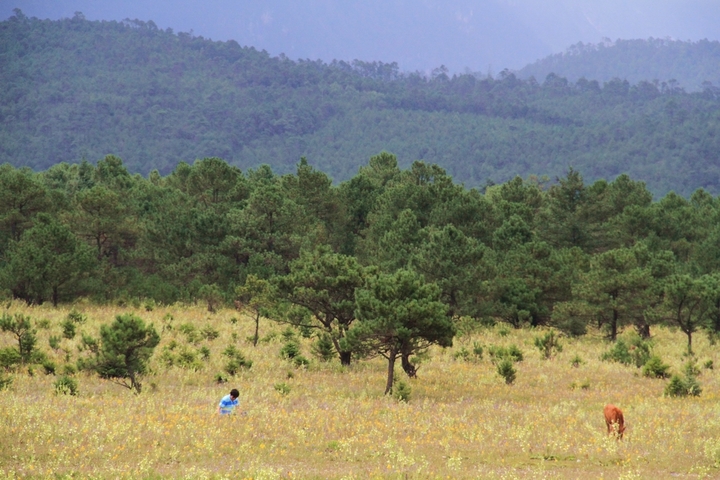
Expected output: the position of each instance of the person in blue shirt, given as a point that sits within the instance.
(229, 402)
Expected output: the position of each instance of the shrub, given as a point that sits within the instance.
(69, 369)
(19, 325)
(76, 317)
(655, 368)
(549, 344)
(9, 357)
(323, 348)
(68, 328)
(708, 365)
(187, 359)
(43, 324)
(506, 370)
(462, 354)
(127, 345)
(683, 387)
(300, 361)
(54, 342)
(512, 353)
(290, 350)
(236, 360)
(576, 361)
(149, 305)
(66, 385)
(209, 333)
(49, 367)
(401, 391)
(204, 352)
(190, 332)
(220, 378)
(282, 388)
(288, 334)
(618, 353)
(5, 381)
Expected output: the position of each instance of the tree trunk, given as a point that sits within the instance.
(55, 296)
(643, 329)
(409, 368)
(345, 358)
(257, 329)
(392, 355)
(614, 326)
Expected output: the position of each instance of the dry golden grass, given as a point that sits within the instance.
(462, 420)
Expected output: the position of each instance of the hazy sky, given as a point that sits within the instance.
(476, 35)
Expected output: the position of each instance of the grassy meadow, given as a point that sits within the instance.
(324, 421)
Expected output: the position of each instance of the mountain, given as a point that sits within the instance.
(76, 89)
(690, 65)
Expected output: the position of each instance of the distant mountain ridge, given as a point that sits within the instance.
(75, 89)
(691, 65)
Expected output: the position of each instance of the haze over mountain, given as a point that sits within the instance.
(480, 35)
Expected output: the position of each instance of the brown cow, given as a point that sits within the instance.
(614, 416)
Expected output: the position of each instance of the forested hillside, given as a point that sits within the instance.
(77, 90)
(522, 252)
(694, 66)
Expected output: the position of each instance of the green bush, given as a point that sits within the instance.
(512, 353)
(68, 329)
(684, 386)
(506, 370)
(54, 342)
(49, 367)
(576, 361)
(19, 325)
(282, 388)
(288, 334)
(401, 391)
(66, 385)
(290, 350)
(76, 317)
(190, 332)
(619, 353)
(300, 361)
(42, 324)
(187, 359)
(5, 381)
(9, 357)
(549, 344)
(655, 368)
(323, 348)
(236, 360)
(209, 333)
(204, 352)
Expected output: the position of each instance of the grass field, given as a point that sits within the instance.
(328, 422)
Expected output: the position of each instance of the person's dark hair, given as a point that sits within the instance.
(234, 393)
